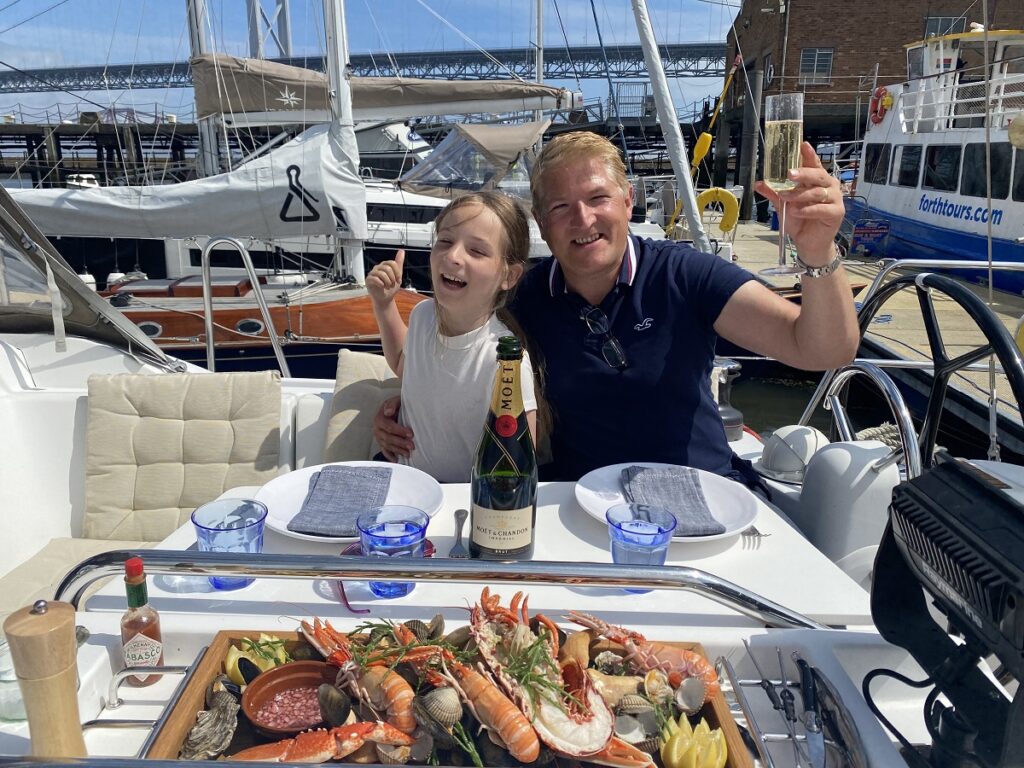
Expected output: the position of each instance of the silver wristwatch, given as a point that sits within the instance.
(828, 269)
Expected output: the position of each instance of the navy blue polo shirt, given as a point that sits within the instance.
(659, 407)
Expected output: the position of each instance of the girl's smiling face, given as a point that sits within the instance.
(468, 267)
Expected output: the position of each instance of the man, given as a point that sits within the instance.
(624, 330)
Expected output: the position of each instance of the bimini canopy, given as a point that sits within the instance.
(39, 293)
(308, 186)
(239, 88)
(475, 157)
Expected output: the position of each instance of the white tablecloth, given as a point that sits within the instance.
(783, 567)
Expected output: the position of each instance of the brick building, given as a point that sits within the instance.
(835, 52)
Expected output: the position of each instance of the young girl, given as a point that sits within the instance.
(447, 356)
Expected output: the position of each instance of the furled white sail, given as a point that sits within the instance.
(308, 186)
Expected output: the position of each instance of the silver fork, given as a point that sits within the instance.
(752, 537)
(458, 550)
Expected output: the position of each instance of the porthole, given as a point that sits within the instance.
(151, 329)
(249, 326)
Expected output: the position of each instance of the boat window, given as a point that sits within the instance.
(876, 163)
(1018, 175)
(151, 329)
(907, 168)
(972, 182)
(944, 25)
(391, 213)
(22, 285)
(915, 63)
(942, 168)
(249, 326)
(816, 66)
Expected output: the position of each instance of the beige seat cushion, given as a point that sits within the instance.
(37, 578)
(362, 383)
(157, 446)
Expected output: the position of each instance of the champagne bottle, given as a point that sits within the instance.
(504, 480)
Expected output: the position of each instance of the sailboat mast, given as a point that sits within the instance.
(670, 126)
(538, 115)
(342, 126)
(198, 23)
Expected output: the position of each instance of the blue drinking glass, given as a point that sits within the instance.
(392, 531)
(230, 525)
(639, 534)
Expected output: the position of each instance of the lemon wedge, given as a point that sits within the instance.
(674, 751)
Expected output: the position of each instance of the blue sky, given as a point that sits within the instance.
(68, 33)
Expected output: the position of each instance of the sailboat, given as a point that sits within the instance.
(299, 198)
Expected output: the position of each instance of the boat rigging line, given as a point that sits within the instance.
(612, 101)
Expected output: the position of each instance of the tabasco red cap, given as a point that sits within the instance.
(133, 566)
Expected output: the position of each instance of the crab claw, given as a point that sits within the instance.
(322, 745)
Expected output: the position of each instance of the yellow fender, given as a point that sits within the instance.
(730, 206)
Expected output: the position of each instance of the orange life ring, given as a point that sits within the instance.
(879, 104)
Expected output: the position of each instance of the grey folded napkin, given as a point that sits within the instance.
(678, 490)
(336, 497)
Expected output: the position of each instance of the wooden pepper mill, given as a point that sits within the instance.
(43, 648)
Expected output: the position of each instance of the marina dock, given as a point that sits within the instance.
(900, 325)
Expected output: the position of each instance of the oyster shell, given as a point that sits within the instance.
(214, 727)
(394, 755)
(629, 729)
(657, 688)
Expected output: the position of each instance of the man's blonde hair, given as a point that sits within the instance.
(572, 147)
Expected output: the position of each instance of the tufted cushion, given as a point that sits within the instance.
(157, 446)
(362, 383)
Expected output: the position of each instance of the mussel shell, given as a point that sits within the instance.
(493, 754)
(222, 683)
(305, 652)
(422, 748)
(634, 703)
(248, 670)
(436, 627)
(335, 704)
(459, 638)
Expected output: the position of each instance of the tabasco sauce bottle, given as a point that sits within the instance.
(504, 478)
(140, 626)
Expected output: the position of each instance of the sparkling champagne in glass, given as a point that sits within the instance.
(783, 134)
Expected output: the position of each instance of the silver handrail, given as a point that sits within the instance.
(897, 405)
(268, 323)
(158, 561)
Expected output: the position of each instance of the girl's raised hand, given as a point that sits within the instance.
(385, 279)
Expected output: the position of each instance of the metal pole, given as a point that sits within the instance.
(198, 21)
(670, 127)
(284, 28)
(538, 115)
(342, 125)
(255, 36)
(612, 101)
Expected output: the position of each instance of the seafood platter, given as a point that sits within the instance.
(506, 688)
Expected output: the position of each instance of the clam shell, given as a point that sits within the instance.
(459, 637)
(436, 627)
(629, 729)
(418, 628)
(691, 695)
(656, 687)
(440, 733)
(634, 703)
(393, 755)
(651, 745)
(422, 748)
(443, 705)
(335, 704)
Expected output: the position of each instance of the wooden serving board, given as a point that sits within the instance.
(171, 736)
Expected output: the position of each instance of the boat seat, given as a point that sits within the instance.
(363, 381)
(158, 446)
(37, 578)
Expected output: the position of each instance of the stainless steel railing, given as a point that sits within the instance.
(748, 603)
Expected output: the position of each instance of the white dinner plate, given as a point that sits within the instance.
(284, 495)
(730, 503)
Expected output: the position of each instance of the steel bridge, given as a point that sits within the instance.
(580, 62)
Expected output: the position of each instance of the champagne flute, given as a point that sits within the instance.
(783, 134)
